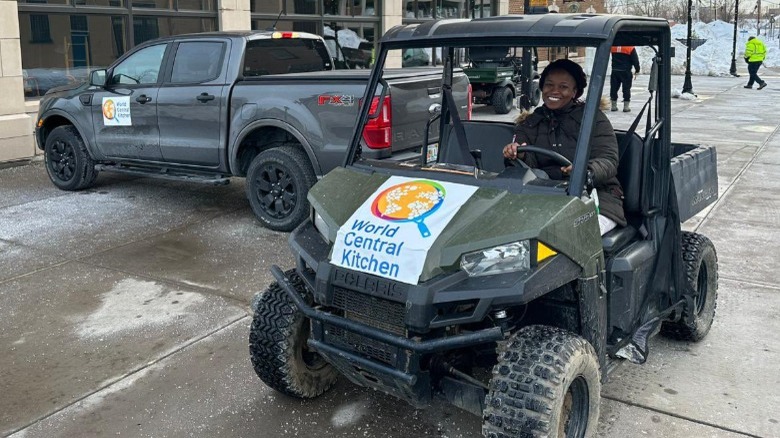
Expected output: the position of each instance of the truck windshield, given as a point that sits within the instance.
(285, 55)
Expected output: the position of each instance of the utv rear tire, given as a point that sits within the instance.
(278, 181)
(701, 269)
(277, 346)
(67, 161)
(546, 383)
(503, 100)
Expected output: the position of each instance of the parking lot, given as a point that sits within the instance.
(125, 308)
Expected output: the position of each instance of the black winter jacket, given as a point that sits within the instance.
(558, 131)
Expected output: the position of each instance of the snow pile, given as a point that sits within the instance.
(713, 58)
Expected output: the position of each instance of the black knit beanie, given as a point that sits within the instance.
(569, 67)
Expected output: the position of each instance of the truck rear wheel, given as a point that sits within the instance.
(701, 269)
(546, 384)
(503, 100)
(277, 183)
(278, 349)
(67, 161)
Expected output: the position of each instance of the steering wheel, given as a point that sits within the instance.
(558, 158)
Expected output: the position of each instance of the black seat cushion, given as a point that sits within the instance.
(617, 238)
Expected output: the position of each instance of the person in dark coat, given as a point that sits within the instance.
(623, 58)
(556, 125)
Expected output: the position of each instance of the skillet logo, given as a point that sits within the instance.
(343, 100)
(390, 234)
(410, 202)
(109, 109)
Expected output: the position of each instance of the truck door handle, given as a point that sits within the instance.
(142, 99)
(205, 97)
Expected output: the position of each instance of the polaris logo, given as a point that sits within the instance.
(368, 284)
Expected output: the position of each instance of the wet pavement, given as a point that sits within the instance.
(125, 308)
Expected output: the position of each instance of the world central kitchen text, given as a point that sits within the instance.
(365, 241)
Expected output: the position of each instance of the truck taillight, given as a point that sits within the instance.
(470, 100)
(378, 133)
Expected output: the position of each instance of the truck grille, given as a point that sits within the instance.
(349, 340)
(375, 312)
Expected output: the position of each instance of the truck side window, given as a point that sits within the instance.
(197, 61)
(142, 67)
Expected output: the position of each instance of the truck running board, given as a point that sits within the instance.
(165, 173)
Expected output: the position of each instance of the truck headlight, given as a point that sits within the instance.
(510, 257)
(321, 225)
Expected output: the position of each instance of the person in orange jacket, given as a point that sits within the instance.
(623, 58)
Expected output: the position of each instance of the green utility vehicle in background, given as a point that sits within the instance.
(452, 275)
(496, 73)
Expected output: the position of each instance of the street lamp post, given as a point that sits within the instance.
(687, 86)
(733, 70)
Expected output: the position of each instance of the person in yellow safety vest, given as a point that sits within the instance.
(755, 52)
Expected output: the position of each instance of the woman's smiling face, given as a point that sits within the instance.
(558, 90)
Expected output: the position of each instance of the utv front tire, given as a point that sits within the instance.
(701, 269)
(278, 349)
(67, 161)
(278, 181)
(503, 100)
(546, 383)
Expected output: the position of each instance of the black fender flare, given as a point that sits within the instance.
(233, 157)
(41, 142)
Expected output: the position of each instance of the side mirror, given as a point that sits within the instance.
(98, 78)
(672, 54)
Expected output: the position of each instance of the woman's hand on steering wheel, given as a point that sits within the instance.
(510, 151)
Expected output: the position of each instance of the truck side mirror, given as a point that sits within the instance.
(672, 53)
(98, 78)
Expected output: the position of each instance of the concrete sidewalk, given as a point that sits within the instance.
(125, 308)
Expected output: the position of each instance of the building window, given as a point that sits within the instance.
(39, 29)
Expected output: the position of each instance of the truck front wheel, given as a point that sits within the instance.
(701, 269)
(277, 183)
(546, 384)
(67, 161)
(278, 349)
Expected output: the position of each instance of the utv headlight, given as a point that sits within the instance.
(511, 257)
(321, 225)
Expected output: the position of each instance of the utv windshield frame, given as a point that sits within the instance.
(548, 30)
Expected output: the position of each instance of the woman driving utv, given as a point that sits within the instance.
(556, 125)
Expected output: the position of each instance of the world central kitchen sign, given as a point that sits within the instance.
(390, 234)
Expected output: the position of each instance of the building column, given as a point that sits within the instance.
(392, 11)
(503, 7)
(16, 138)
(234, 15)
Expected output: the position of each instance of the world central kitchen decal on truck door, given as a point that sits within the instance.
(116, 111)
(390, 234)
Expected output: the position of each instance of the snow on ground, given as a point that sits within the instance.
(713, 58)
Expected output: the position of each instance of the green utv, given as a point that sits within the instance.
(456, 276)
(496, 73)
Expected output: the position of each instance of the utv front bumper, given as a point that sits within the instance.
(382, 334)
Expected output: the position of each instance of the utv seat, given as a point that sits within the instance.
(487, 137)
(630, 177)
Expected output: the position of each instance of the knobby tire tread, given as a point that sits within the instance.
(528, 378)
(694, 250)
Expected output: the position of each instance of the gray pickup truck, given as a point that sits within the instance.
(262, 105)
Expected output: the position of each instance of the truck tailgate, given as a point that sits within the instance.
(413, 91)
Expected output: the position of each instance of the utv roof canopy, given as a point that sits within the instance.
(534, 30)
